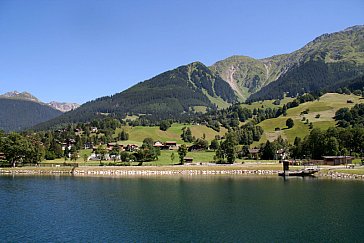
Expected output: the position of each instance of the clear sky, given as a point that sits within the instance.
(76, 51)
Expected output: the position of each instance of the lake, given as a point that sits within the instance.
(175, 209)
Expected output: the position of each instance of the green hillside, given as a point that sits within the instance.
(326, 107)
(137, 134)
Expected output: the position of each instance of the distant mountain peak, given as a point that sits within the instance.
(23, 95)
(63, 106)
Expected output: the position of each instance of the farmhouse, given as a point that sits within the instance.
(337, 160)
(171, 144)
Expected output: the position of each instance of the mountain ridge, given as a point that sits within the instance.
(251, 75)
(322, 64)
(61, 106)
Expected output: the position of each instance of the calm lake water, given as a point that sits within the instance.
(170, 209)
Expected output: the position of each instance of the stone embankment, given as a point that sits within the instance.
(35, 171)
(160, 171)
(340, 175)
(174, 172)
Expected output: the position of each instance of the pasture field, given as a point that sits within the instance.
(325, 107)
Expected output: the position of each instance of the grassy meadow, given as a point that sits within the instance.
(325, 107)
(137, 134)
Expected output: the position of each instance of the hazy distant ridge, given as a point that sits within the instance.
(61, 106)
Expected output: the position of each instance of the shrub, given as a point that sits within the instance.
(289, 123)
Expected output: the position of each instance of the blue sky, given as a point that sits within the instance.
(76, 51)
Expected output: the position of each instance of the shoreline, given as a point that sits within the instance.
(117, 171)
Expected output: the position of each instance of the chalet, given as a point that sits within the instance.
(337, 160)
(158, 145)
(111, 146)
(254, 153)
(68, 144)
(171, 144)
(131, 147)
(188, 159)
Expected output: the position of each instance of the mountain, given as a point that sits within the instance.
(19, 111)
(19, 114)
(321, 64)
(330, 61)
(247, 75)
(61, 106)
(167, 95)
(17, 95)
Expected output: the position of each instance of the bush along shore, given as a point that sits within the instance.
(164, 170)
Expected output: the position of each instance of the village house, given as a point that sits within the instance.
(88, 145)
(131, 147)
(337, 160)
(171, 145)
(68, 144)
(158, 144)
(254, 153)
(165, 146)
(111, 146)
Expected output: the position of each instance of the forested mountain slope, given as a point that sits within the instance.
(322, 63)
(18, 114)
(167, 95)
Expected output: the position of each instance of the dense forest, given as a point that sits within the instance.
(312, 76)
(169, 95)
(17, 114)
